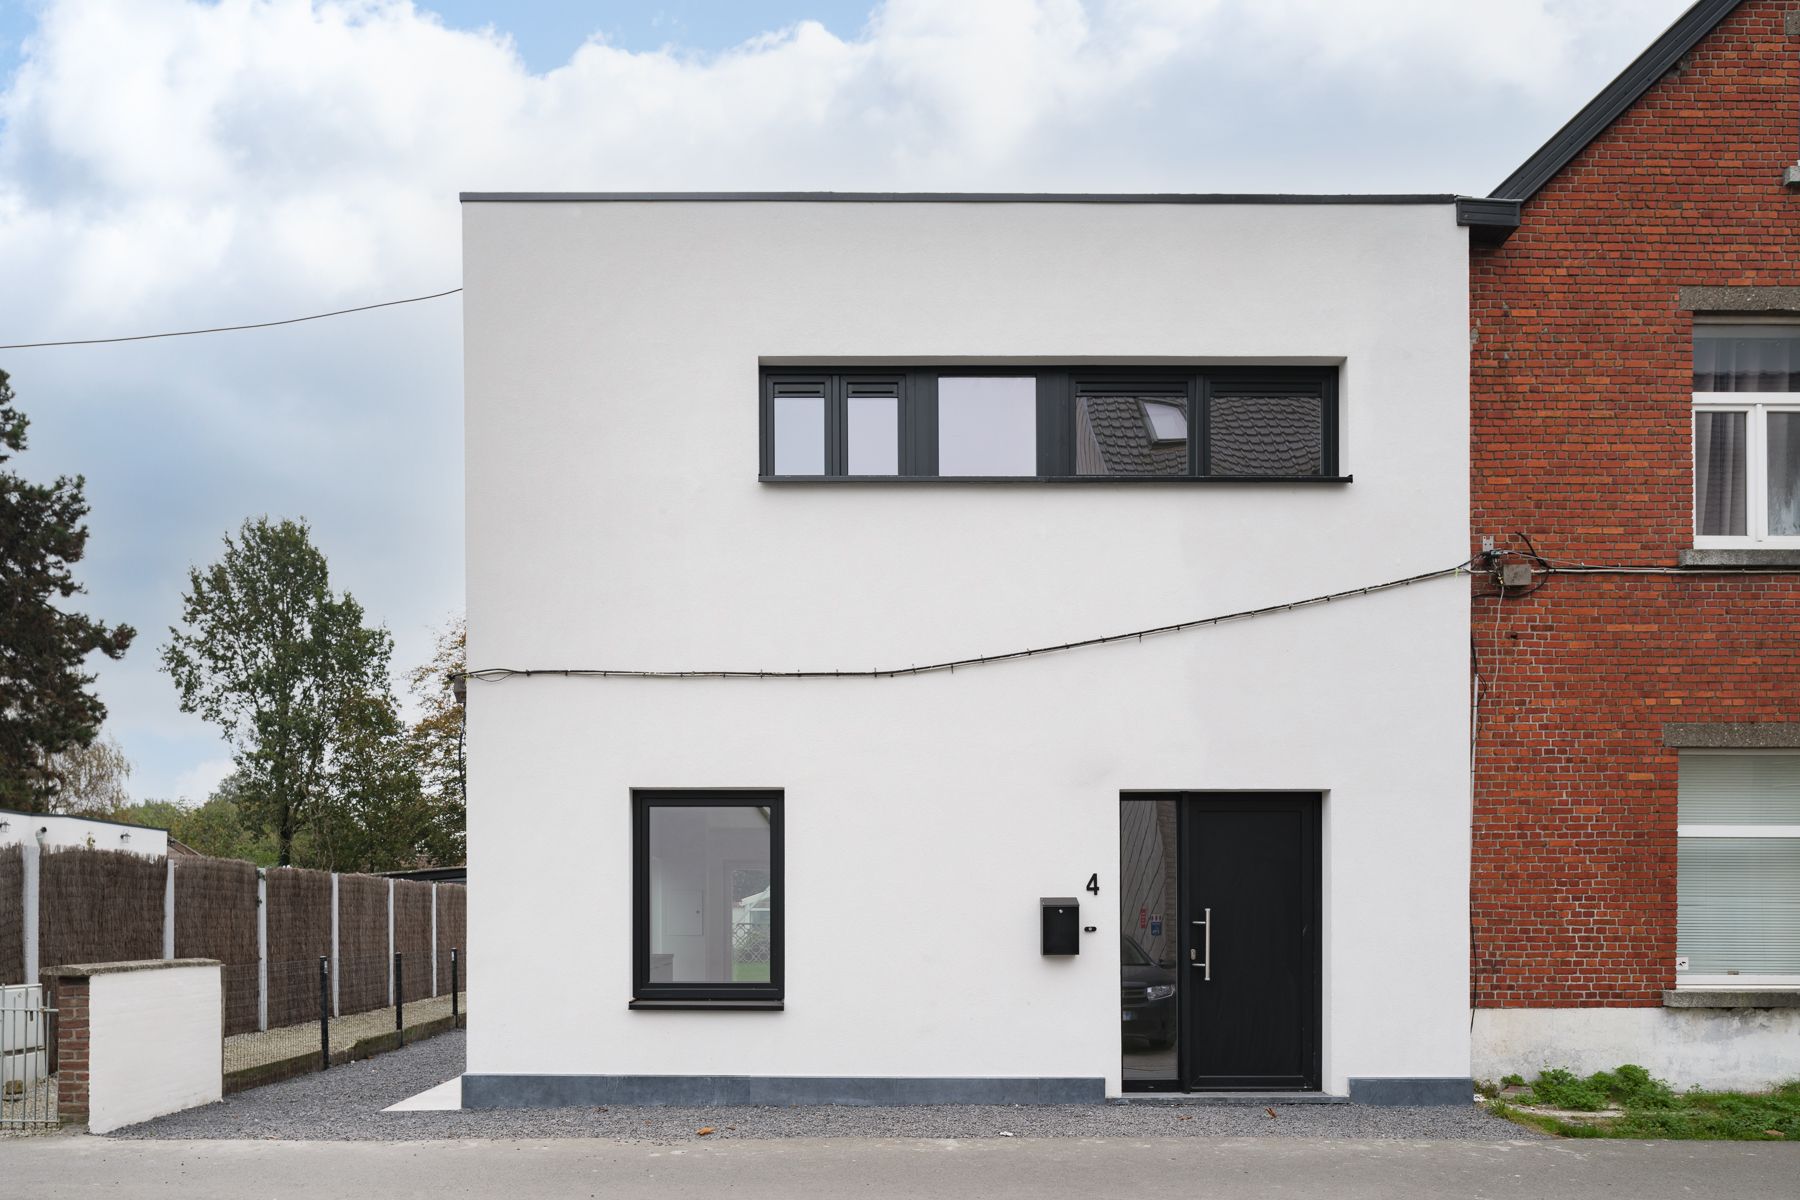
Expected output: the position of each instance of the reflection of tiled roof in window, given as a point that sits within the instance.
(1113, 438)
(1264, 435)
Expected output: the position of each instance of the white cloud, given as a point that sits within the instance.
(196, 783)
(169, 164)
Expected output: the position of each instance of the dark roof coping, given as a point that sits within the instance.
(948, 198)
(1615, 98)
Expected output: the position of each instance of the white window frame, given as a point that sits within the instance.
(1757, 406)
(1693, 979)
(1756, 467)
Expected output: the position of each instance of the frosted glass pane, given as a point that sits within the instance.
(1719, 475)
(799, 435)
(987, 425)
(1740, 789)
(1739, 905)
(1784, 474)
(874, 435)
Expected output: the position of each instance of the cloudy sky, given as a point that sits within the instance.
(168, 164)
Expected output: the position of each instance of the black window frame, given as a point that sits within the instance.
(1058, 388)
(747, 996)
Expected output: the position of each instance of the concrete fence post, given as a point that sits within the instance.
(262, 949)
(169, 911)
(392, 998)
(28, 908)
(336, 966)
(434, 888)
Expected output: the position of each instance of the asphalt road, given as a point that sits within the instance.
(45, 1168)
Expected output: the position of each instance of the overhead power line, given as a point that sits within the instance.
(491, 674)
(145, 337)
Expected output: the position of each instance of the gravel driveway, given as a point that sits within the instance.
(345, 1103)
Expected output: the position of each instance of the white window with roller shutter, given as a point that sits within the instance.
(1738, 880)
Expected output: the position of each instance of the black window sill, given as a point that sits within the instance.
(709, 1005)
(1092, 479)
(1729, 997)
(1741, 559)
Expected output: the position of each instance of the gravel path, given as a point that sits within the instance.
(345, 1103)
(253, 1049)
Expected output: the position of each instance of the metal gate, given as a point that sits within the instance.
(27, 1068)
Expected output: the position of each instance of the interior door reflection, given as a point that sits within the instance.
(1149, 942)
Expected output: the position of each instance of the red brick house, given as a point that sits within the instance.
(1635, 364)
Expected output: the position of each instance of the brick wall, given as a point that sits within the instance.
(1581, 373)
(72, 1044)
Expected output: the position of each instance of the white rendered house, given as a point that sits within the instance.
(761, 436)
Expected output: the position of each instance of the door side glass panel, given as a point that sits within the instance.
(1149, 941)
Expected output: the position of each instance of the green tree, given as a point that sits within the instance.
(215, 828)
(47, 706)
(282, 664)
(437, 745)
(90, 780)
(373, 816)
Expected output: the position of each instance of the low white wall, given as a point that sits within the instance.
(80, 833)
(154, 1043)
(1739, 1049)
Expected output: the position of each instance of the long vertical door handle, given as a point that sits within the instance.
(1205, 964)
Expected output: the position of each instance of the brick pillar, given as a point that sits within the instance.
(72, 1049)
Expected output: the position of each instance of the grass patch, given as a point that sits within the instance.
(1651, 1109)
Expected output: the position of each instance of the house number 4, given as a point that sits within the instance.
(1093, 883)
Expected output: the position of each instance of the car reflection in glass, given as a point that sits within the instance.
(1147, 993)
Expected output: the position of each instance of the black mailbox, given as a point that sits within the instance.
(1062, 924)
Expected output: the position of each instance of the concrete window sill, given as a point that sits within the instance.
(1732, 998)
(1744, 559)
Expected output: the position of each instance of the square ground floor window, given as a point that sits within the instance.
(707, 896)
(1738, 881)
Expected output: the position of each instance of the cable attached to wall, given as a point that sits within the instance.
(493, 674)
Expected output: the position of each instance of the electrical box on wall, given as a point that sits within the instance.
(1062, 924)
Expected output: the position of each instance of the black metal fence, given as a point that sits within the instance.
(328, 1035)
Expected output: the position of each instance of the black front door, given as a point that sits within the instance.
(1250, 884)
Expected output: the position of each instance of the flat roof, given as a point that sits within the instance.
(31, 816)
(953, 198)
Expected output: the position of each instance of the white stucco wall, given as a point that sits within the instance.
(154, 1043)
(63, 832)
(615, 518)
(1745, 1049)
